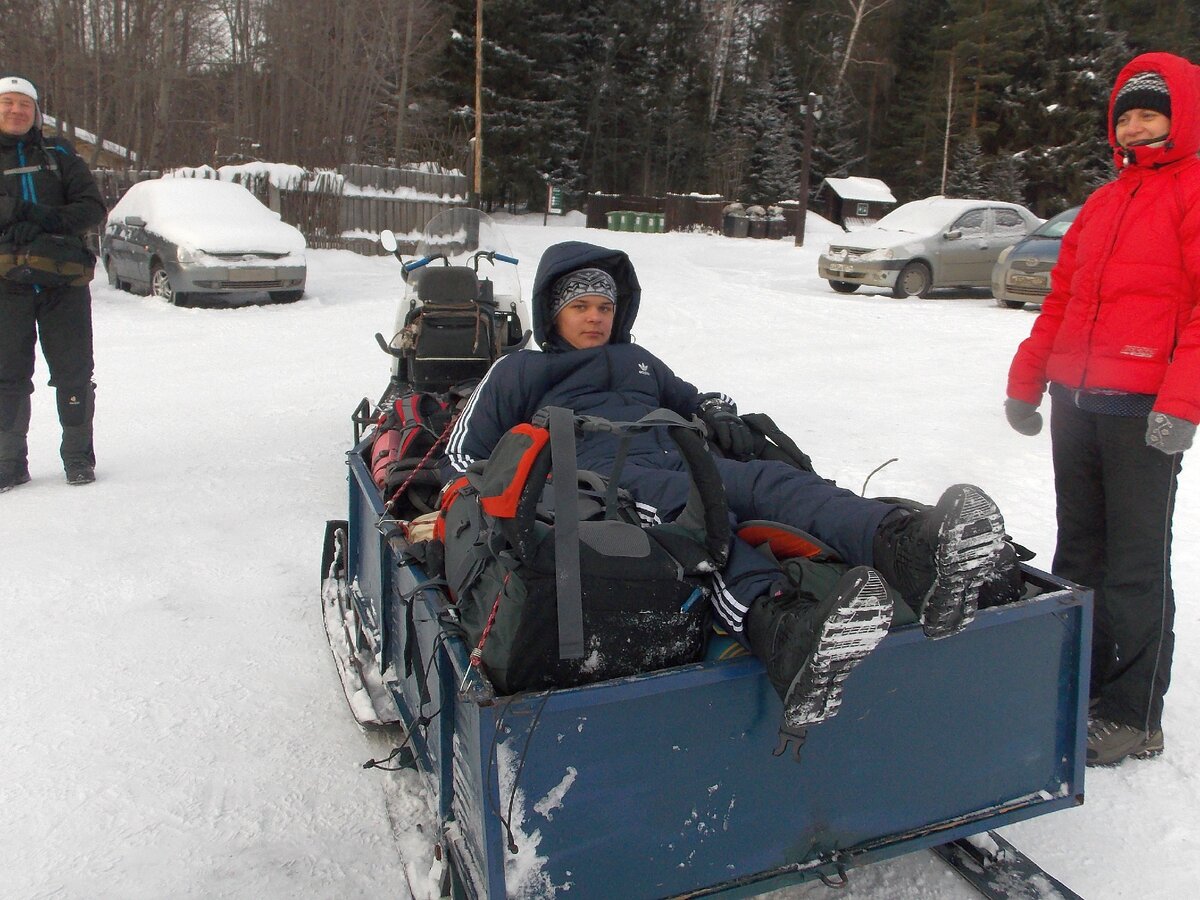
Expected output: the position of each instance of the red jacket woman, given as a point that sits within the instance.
(1118, 343)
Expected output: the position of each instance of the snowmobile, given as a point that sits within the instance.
(666, 783)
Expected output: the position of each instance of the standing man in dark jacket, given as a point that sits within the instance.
(585, 300)
(48, 200)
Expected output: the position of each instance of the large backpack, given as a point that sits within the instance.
(408, 449)
(557, 587)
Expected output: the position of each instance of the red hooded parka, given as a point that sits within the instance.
(1123, 312)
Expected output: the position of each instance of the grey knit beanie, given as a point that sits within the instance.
(581, 283)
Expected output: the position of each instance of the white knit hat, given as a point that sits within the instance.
(15, 84)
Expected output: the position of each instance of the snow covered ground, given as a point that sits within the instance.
(170, 717)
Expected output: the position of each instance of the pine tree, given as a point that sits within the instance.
(1054, 111)
(772, 124)
(965, 177)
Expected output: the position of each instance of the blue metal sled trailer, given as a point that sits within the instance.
(665, 784)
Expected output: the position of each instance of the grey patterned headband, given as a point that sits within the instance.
(581, 283)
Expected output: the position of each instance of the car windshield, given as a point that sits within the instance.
(1057, 226)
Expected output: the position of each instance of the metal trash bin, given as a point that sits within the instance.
(614, 219)
(758, 227)
(733, 220)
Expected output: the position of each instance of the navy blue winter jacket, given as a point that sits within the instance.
(619, 381)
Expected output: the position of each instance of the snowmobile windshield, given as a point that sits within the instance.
(462, 236)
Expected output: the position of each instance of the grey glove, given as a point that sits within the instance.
(1022, 416)
(1168, 433)
(726, 428)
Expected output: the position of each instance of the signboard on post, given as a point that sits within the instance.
(554, 202)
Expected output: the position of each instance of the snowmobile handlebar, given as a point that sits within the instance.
(490, 255)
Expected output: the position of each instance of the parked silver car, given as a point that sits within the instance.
(178, 237)
(1022, 274)
(931, 243)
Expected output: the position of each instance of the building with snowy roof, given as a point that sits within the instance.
(855, 202)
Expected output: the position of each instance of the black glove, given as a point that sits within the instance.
(1022, 416)
(726, 429)
(45, 217)
(23, 232)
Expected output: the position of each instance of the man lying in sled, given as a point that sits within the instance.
(585, 300)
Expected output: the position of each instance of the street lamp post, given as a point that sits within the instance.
(477, 151)
(812, 111)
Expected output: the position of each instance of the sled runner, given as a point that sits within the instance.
(663, 783)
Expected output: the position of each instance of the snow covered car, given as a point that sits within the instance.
(932, 243)
(177, 237)
(1022, 274)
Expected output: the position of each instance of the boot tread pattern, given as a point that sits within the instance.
(847, 636)
(969, 544)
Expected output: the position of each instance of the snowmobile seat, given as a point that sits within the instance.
(448, 285)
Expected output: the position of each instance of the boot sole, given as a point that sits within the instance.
(860, 618)
(969, 544)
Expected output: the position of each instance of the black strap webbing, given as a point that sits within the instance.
(566, 533)
(610, 497)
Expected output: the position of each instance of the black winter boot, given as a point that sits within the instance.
(14, 452)
(939, 558)
(12, 474)
(75, 411)
(809, 646)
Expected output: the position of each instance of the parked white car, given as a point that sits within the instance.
(178, 237)
(932, 243)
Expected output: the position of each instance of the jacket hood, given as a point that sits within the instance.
(1183, 83)
(558, 260)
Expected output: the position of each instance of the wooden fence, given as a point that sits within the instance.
(322, 210)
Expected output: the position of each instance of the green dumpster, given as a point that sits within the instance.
(628, 220)
(614, 220)
(656, 221)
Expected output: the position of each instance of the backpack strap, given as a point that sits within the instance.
(567, 579)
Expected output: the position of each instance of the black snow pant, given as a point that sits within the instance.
(764, 489)
(61, 318)
(1115, 498)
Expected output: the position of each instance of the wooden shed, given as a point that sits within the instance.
(855, 202)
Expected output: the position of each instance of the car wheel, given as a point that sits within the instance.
(844, 287)
(914, 281)
(160, 286)
(1013, 304)
(286, 296)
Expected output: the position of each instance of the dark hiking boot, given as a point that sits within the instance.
(80, 473)
(1006, 584)
(939, 558)
(1111, 742)
(810, 646)
(11, 475)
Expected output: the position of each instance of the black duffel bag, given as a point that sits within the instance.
(557, 588)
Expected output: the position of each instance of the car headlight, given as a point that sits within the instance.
(184, 255)
(877, 255)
